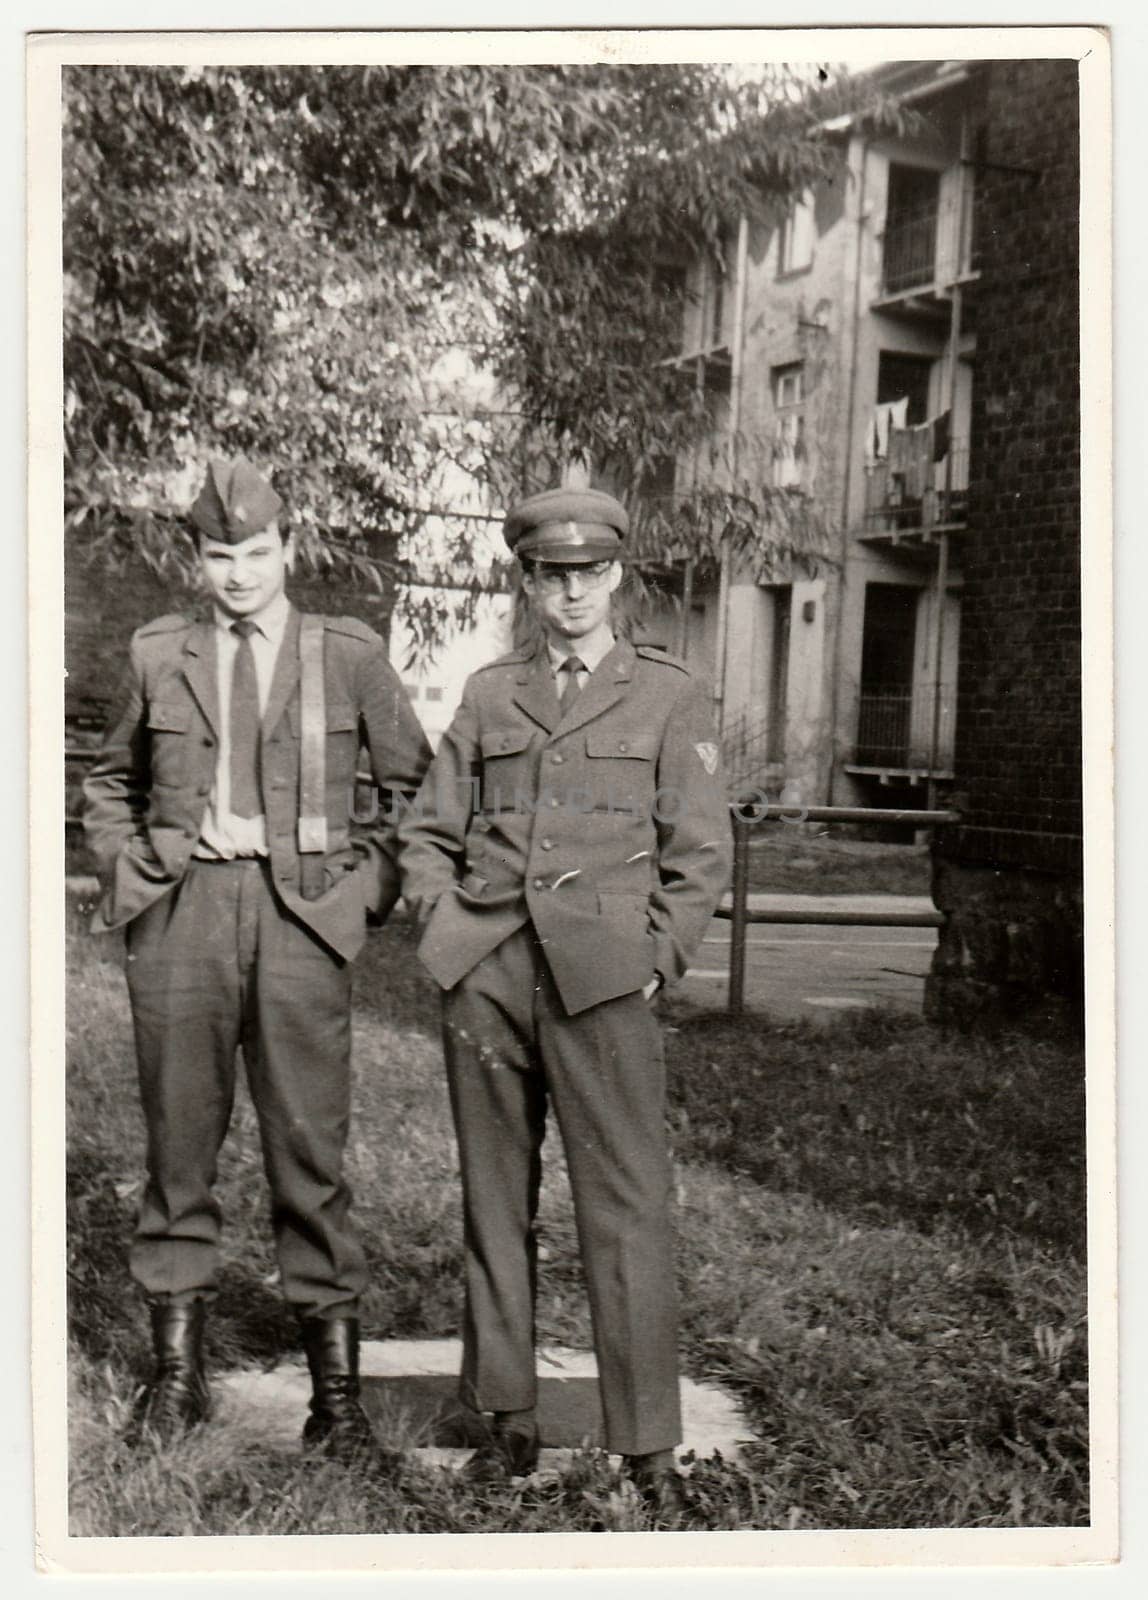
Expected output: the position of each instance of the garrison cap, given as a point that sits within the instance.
(566, 525)
(235, 503)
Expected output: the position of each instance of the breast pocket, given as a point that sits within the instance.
(621, 768)
(342, 742)
(507, 768)
(167, 727)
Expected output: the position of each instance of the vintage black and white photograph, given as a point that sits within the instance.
(572, 930)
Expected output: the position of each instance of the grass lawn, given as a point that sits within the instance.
(785, 859)
(880, 1251)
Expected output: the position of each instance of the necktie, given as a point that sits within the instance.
(572, 688)
(245, 797)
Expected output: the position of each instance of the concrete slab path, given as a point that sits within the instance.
(410, 1392)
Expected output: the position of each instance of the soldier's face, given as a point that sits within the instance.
(570, 599)
(243, 579)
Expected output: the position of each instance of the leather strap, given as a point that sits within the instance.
(312, 747)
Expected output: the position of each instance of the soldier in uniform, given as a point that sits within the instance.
(564, 858)
(218, 814)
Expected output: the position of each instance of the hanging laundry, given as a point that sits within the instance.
(911, 457)
(889, 414)
(942, 435)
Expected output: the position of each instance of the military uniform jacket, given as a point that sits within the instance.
(608, 828)
(146, 794)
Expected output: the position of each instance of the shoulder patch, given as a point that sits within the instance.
(353, 629)
(171, 623)
(651, 652)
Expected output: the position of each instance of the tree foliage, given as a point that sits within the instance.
(305, 264)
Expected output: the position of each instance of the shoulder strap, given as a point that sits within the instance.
(313, 739)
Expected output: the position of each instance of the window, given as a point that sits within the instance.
(795, 251)
(434, 691)
(788, 450)
(412, 690)
(789, 429)
(905, 377)
(910, 241)
(789, 385)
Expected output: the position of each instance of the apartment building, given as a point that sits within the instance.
(838, 347)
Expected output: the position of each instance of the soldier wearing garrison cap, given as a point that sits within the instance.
(565, 855)
(218, 814)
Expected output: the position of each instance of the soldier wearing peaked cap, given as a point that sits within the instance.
(218, 814)
(564, 857)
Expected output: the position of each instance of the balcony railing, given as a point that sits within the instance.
(895, 729)
(910, 253)
(915, 497)
(920, 246)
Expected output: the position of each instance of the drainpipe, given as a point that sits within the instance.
(847, 487)
(722, 650)
(942, 574)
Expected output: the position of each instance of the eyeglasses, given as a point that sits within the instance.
(552, 577)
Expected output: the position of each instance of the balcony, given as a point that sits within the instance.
(920, 257)
(895, 734)
(910, 251)
(909, 497)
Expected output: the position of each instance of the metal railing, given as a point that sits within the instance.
(895, 728)
(909, 257)
(920, 245)
(752, 748)
(745, 818)
(894, 504)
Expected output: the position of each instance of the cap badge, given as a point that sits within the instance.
(708, 756)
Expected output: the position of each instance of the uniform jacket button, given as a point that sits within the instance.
(538, 883)
(557, 759)
(622, 745)
(547, 844)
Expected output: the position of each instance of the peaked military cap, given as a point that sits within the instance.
(235, 503)
(566, 525)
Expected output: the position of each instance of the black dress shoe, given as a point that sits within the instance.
(659, 1485)
(338, 1427)
(176, 1398)
(505, 1453)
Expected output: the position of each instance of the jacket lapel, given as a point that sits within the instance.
(286, 674)
(605, 687)
(535, 692)
(200, 668)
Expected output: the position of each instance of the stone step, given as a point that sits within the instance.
(410, 1391)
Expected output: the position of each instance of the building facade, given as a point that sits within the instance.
(901, 355)
(840, 344)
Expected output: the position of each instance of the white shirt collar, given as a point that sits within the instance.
(590, 655)
(271, 622)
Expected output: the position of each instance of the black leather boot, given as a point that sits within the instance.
(177, 1396)
(338, 1427)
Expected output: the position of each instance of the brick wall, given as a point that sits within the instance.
(1018, 755)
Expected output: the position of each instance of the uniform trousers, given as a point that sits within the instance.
(219, 964)
(511, 1050)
